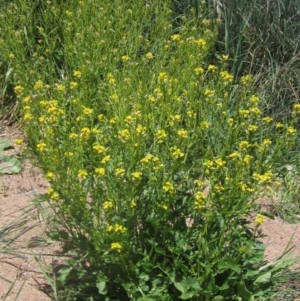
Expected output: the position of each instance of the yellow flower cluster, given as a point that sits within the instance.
(176, 152)
(266, 177)
(161, 135)
(115, 246)
(116, 228)
(82, 174)
(168, 187)
(260, 219)
(199, 200)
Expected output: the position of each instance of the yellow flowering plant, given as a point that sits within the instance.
(155, 154)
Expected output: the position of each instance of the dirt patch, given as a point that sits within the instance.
(16, 194)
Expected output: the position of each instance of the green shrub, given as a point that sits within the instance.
(155, 159)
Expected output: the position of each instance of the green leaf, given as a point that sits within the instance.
(228, 264)
(264, 278)
(63, 274)
(284, 263)
(145, 298)
(182, 288)
(4, 144)
(188, 295)
(145, 288)
(218, 298)
(243, 292)
(10, 165)
(251, 273)
(102, 289)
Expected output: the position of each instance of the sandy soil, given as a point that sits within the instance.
(17, 192)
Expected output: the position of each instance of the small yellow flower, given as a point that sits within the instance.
(163, 206)
(234, 155)
(146, 159)
(160, 136)
(267, 142)
(296, 108)
(245, 187)
(247, 159)
(176, 152)
(199, 183)
(105, 159)
(49, 175)
(220, 162)
(115, 246)
(209, 92)
(18, 89)
(136, 175)
(182, 133)
(254, 99)
(60, 87)
(252, 128)
(267, 119)
(230, 121)
(204, 125)
(124, 135)
(69, 154)
(201, 43)
(82, 174)
(108, 204)
(244, 144)
(226, 76)
(260, 219)
(140, 129)
(38, 85)
(175, 37)
(73, 85)
(41, 146)
(77, 74)
(54, 196)
(85, 133)
(113, 121)
(119, 228)
(11, 56)
(266, 177)
(120, 172)
(208, 164)
(199, 70)
(246, 79)
(162, 77)
(49, 191)
(99, 148)
(19, 141)
(219, 187)
(125, 58)
(87, 111)
(28, 99)
(42, 119)
(225, 57)
(291, 130)
(244, 112)
(149, 56)
(151, 98)
(212, 68)
(100, 171)
(256, 111)
(168, 187)
(279, 125)
(199, 195)
(73, 136)
(132, 203)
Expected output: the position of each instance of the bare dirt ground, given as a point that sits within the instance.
(17, 192)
